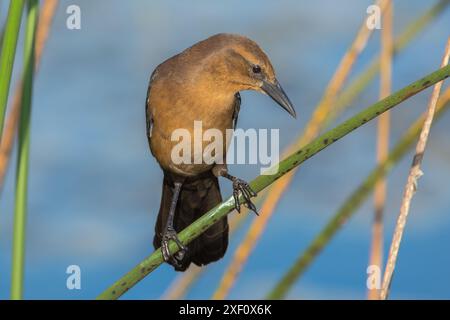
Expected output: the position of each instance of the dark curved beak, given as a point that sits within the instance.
(276, 92)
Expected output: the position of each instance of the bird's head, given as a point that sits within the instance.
(238, 63)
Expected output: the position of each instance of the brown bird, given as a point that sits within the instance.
(202, 83)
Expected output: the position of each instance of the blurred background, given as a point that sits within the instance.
(94, 188)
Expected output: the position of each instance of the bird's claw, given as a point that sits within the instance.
(174, 259)
(240, 186)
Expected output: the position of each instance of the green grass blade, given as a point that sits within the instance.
(261, 182)
(23, 156)
(9, 44)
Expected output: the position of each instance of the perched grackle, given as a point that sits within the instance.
(202, 83)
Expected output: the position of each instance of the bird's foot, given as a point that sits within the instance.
(240, 186)
(175, 259)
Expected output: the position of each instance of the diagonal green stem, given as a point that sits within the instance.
(261, 182)
(348, 208)
(11, 34)
(23, 156)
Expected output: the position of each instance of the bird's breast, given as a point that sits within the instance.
(197, 124)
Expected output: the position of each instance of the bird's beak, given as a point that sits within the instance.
(276, 92)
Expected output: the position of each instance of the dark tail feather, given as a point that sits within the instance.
(198, 195)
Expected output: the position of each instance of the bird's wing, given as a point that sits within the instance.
(237, 107)
(148, 112)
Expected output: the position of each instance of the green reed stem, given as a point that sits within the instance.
(20, 213)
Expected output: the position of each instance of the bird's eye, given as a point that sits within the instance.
(256, 69)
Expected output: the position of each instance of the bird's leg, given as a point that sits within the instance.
(170, 233)
(241, 186)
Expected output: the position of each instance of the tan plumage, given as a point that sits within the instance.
(199, 84)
